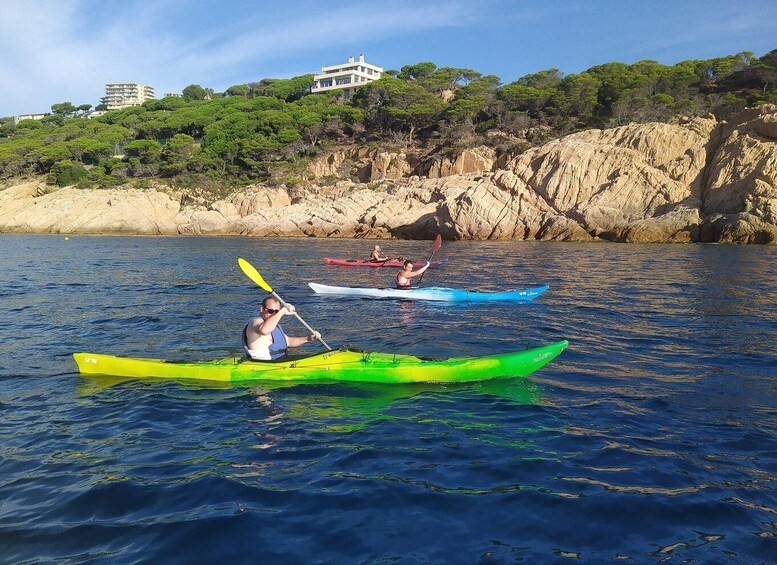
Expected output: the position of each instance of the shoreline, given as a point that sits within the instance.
(696, 181)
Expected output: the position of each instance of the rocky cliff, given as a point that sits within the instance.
(693, 180)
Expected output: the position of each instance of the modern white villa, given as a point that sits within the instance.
(125, 94)
(346, 76)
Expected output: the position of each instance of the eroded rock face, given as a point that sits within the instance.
(70, 210)
(694, 180)
(363, 165)
(478, 160)
(740, 198)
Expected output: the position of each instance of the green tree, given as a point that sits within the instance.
(194, 92)
(283, 89)
(518, 97)
(394, 105)
(63, 108)
(765, 70)
(53, 120)
(87, 149)
(417, 71)
(238, 90)
(66, 172)
(146, 150)
(47, 155)
(545, 80)
(168, 103)
(577, 95)
(176, 153)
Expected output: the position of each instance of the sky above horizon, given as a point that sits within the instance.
(67, 50)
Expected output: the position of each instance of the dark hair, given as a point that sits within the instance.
(267, 299)
(406, 263)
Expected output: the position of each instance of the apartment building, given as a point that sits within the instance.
(346, 76)
(20, 117)
(125, 94)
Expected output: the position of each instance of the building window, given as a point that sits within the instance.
(346, 80)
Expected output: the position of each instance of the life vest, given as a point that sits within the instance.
(401, 286)
(276, 350)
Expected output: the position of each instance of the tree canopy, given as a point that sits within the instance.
(242, 134)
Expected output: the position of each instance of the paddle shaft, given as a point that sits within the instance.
(422, 274)
(249, 271)
(303, 322)
(437, 245)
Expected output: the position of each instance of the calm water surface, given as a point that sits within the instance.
(653, 438)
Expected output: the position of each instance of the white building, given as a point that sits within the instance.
(125, 94)
(346, 76)
(20, 117)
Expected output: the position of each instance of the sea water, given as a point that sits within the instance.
(652, 438)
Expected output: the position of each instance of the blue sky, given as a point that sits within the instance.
(66, 50)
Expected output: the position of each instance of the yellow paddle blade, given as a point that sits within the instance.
(253, 274)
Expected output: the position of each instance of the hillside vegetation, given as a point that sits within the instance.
(269, 130)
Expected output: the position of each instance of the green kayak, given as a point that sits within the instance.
(342, 365)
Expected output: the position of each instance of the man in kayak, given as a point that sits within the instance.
(403, 277)
(377, 255)
(264, 338)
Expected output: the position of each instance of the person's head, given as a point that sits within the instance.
(377, 248)
(408, 265)
(270, 306)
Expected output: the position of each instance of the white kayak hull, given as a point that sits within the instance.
(438, 294)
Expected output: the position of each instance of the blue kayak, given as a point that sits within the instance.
(432, 293)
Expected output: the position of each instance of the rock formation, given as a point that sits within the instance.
(692, 180)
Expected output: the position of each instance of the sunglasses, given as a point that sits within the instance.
(272, 310)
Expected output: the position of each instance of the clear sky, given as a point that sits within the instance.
(55, 51)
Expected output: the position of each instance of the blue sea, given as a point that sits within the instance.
(651, 439)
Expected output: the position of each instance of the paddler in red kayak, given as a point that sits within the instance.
(263, 337)
(403, 277)
(377, 255)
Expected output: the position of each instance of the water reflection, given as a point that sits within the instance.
(333, 401)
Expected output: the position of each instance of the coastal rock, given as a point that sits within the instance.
(741, 195)
(680, 225)
(606, 180)
(387, 165)
(477, 160)
(363, 165)
(23, 191)
(766, 126)
(70, 210)
(692, 180)
(372, 165)
(251, 200)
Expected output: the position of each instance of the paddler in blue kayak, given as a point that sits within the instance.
(264, 338)
(403, 277)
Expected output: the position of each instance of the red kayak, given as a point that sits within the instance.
(388, 263)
